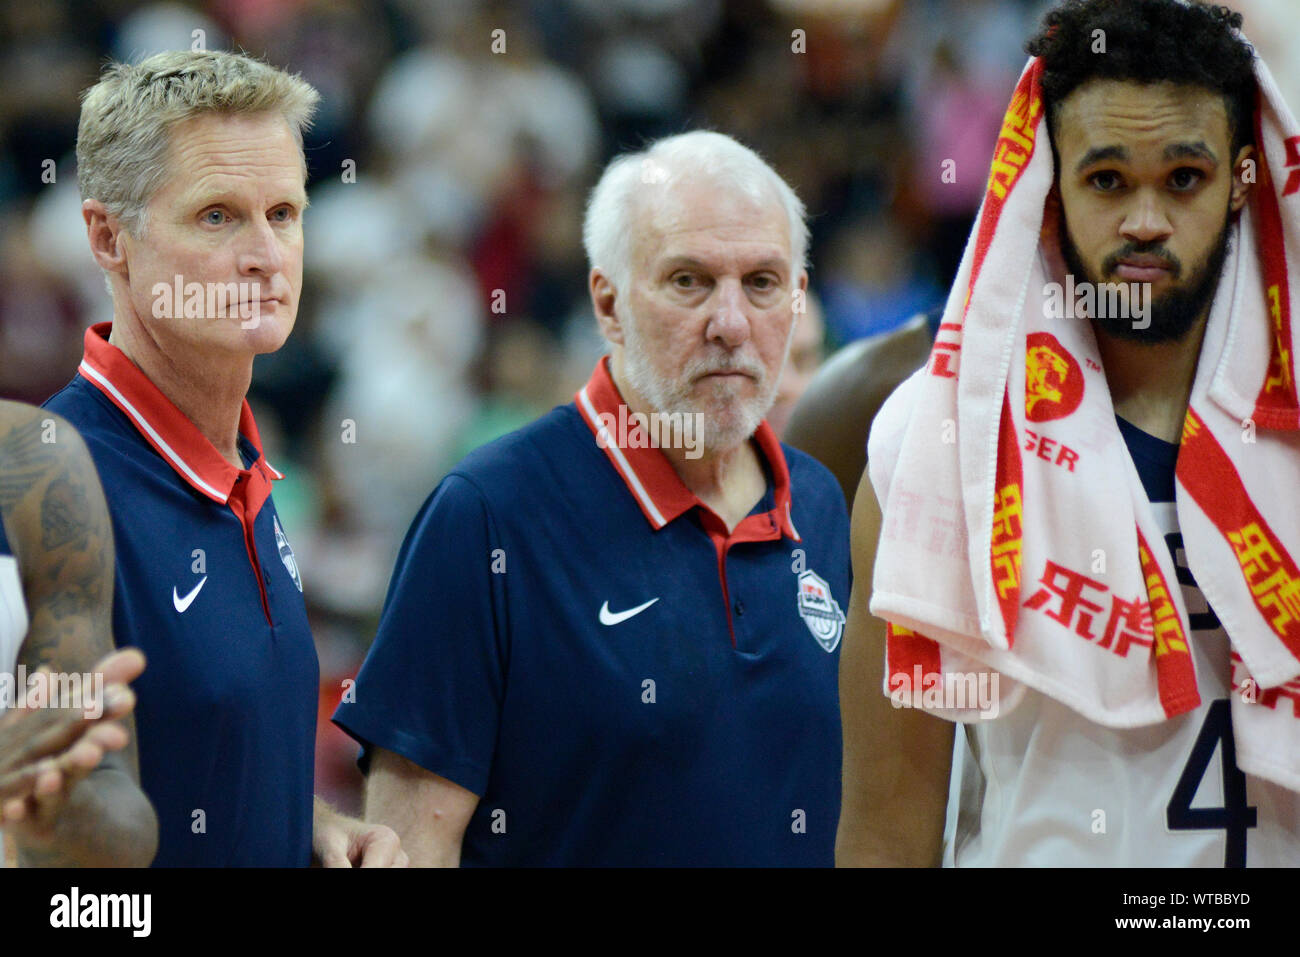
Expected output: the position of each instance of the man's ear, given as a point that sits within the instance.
(603, 298)
(107, 237)
(1243, 176)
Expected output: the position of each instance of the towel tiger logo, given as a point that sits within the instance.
(1053, 379)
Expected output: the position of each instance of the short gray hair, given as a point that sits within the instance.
(127, 117)
(607, 230)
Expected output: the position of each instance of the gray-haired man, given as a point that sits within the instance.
(611, 638)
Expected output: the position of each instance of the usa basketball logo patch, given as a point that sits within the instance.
(819, 610)
(286, 553)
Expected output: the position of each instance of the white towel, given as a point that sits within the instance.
(1047, 566)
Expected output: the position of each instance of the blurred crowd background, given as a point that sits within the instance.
(444, 299)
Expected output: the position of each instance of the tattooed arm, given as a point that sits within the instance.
(84, 805)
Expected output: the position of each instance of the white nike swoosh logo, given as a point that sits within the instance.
(182, 603)
(608, 617)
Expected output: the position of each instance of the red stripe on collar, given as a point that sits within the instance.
(163, 426)
(651, 479)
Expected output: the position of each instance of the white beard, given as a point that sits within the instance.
(735, 420)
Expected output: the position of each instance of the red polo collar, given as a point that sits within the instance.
(655, 485)
(164, 426)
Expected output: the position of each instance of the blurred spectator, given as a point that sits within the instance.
(874, 279)
(965, 59)
(807, 350)
(47, 56)
(40, 319)
(158, 27)
(402, 395)
(1270, 25)
(521, 382)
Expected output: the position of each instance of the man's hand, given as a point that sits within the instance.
(341, 841)
(45, 751)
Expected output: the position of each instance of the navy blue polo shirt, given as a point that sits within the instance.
(207, 587)
(574, 637)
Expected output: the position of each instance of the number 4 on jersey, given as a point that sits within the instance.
(1235, 817)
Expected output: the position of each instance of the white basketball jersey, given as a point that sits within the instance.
(13, 611)
(13, 626)
(1044, 786)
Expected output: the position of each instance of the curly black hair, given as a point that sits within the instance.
(1149, 41)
